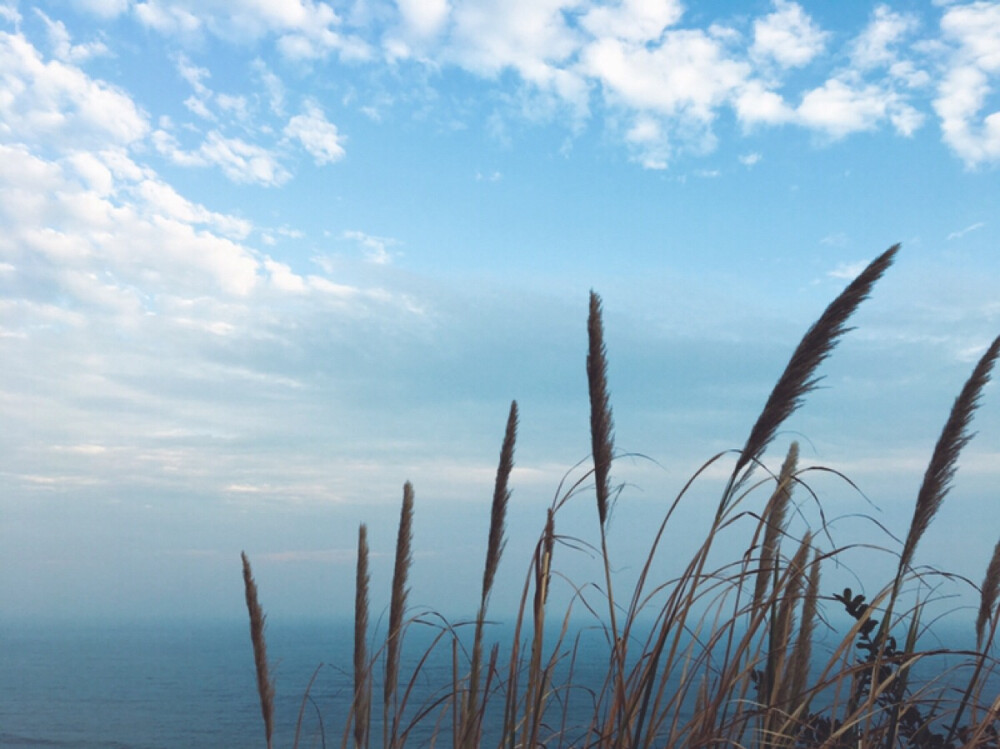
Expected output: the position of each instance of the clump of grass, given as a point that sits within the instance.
(722, 653)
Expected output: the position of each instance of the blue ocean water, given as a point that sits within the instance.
(156, 686)
(193, 686)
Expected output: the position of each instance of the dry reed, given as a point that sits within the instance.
(265, 685)
(601, 421)
(471, 717)
(989, 594)
(799, 377)
(362, 672)
(397, 606)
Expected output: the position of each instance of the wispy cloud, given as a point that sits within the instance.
(962, 232)
(376, 248)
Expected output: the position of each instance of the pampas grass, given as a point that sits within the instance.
(397, 606)
(265, 686)
(799, 377)
(362, 668)
(724, 651)
(472, 715)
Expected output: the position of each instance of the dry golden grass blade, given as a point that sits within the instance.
(498, 510)
(265, 686)
(799, 377)
(362, 692)
(988, 596)
(397, 605)
(601, 421)
(944, 462)
(774, 519)
(802, 655)
(494, 550)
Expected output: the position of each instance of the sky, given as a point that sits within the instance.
(263, 261)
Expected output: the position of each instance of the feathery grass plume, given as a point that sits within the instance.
(802, 654)
(783, 624)
(601, 422)
(498, 510)
(799, 377)
(362, 676)
(494, 550)
(941, 470)
(987, 601)
(603, 447)
(397, 605)
(988, 596)
(265, 686)
(774, 518)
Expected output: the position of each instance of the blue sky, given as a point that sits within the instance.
(262, 261)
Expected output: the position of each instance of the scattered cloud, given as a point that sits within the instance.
(376, 249)
(973, 30)
(839, 108)
(788, 36)
(316, 134)
(876, 45)
(62, 45)
(240, 161)
(632, 21)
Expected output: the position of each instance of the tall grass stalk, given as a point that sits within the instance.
(603, 448)
(362, 667)
(265, 685)
(397, 606)
(472, 712)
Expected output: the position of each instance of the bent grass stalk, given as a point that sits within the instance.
(730, 656)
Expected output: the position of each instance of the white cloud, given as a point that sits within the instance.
(423, 18)
(531, 37)
(304, 29)
(637, 21)
(648, 141)
(240, 161)
(151, 237)
(272, 85)
(750, 159)
(755, 104)
(316, 134)
(62, 44)
(838, 108)
(962, 93)
(283, 278)
(8, 12)
(104, 8)
(788, 36)
(875, 45)
(167, 18)
(376, 249)
(688, 75)
(194, 75)
(57, 103)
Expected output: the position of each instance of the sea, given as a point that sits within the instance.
(192, 685)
